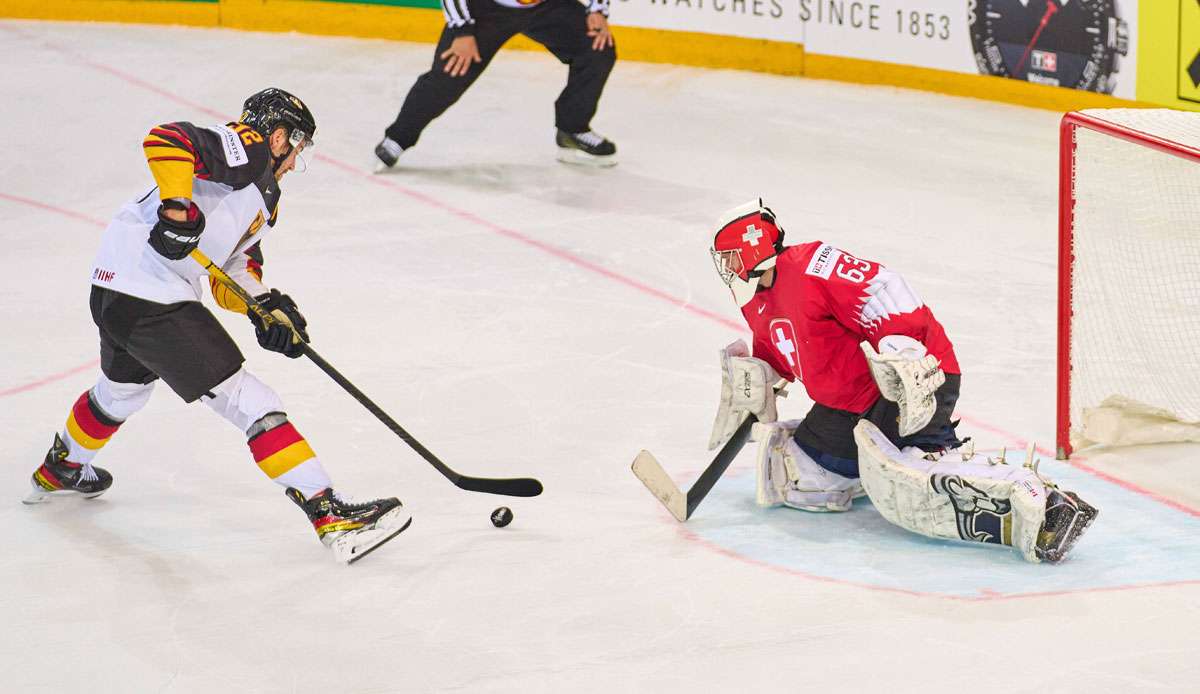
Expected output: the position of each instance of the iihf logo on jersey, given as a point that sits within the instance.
(980, 517)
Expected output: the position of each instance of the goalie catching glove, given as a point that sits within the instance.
(747, 388)
(284, 335)
(907, 376)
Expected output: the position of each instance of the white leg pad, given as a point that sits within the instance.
(976, 499)
(243, 400)
(788, 476)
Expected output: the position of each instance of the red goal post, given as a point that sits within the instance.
(1129, 276)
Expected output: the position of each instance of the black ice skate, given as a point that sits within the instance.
(352, 530)
(1067, 516)
(388, 152)
(585, 148)
(59, 476)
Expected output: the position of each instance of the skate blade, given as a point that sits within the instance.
(570, 155)
(355, 546)
(37, 496)
(41, 496)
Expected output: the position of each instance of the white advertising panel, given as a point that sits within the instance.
(1083, 44)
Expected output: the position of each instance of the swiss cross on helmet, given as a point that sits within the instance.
(746, 245)
(272, 108)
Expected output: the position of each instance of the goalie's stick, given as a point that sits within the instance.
(648, 470)
(521, 486)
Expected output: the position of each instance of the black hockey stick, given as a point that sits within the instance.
(520, 486)
(647, 469)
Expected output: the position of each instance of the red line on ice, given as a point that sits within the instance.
(49, 379)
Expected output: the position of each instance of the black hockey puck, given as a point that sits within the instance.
(502, 517)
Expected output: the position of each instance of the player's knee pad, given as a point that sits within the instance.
(119, 401)
(243, 400)
(787, 475)
(956, 497)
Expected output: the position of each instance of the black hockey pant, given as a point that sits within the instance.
(827, 435)
(559, 25)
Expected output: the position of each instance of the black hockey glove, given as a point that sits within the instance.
(174, 240)
(279, 337)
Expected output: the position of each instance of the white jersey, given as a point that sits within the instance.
(234, 189)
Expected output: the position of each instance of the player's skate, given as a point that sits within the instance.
(788, 476)
(352, 530)
(388, 152)
(1067, 517)
(59, 476)
(585, 148)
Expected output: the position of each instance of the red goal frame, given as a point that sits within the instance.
(1071, 123)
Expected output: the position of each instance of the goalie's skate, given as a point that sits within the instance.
(59, 476)
(1067, 517)
(352, 530)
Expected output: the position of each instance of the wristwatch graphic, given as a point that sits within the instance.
(1067, 43)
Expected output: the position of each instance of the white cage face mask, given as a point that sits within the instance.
(728, 263)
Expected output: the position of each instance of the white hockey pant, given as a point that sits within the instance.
(788, 476)
(976, 500)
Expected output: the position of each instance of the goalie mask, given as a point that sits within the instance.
(746, 245)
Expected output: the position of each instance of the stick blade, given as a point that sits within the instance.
(647, 469)
(518, 486)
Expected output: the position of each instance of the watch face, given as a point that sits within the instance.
(1068, 43)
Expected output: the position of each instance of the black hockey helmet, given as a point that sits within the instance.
(274, 107)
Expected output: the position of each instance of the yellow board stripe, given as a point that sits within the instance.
(79, 436)
(280, 462)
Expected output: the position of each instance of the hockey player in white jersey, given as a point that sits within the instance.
(217, 190)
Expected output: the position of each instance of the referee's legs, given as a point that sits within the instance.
(435, 91)
(561, 26)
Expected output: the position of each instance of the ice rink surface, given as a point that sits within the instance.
(521, 317)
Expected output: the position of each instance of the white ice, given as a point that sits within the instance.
(525, 318)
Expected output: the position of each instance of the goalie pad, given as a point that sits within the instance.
(973, 499)
(788, 476)
(747, 388)
(907, 376)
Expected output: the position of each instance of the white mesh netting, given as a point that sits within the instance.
(1135, 330)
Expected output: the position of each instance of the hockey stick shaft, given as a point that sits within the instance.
(719, 465)
(647, 469)
(522, 486)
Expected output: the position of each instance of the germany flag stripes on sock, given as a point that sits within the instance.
(88, 429)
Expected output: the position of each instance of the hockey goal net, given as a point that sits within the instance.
(1129, 278)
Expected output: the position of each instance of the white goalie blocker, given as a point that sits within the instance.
(747, 388)
(959, 496)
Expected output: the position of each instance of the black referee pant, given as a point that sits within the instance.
(559, 25)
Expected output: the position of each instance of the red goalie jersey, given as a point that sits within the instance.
(823, 302)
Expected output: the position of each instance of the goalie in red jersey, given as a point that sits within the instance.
(884, 381)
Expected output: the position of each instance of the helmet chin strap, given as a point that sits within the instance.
(277, 161)
(744, 290)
